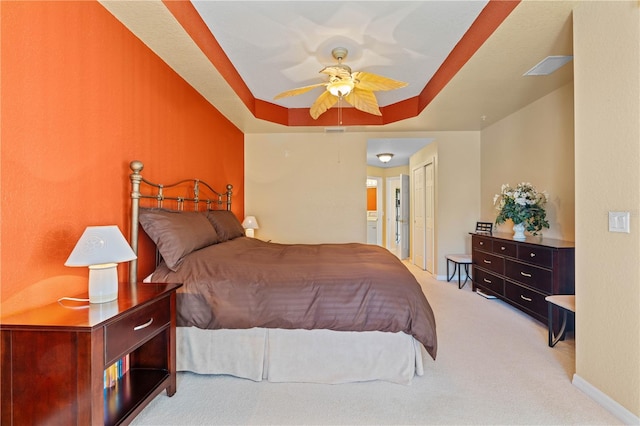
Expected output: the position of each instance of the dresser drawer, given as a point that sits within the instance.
(533, 276)
(134, 328)
(481, 243)
(529, 299)
(505, 248)
(489, 281)
(488, 261)
(541, 256)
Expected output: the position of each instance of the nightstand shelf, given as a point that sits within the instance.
(135, 387)
(54, 358)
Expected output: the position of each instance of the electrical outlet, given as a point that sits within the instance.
(619, 222)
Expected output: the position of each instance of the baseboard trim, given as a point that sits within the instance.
(626, 416)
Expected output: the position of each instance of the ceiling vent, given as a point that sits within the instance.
(548, 65)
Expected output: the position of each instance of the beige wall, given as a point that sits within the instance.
(534, 145)
(607, 111)
(457, 191)
(307, 188)
(310, 187)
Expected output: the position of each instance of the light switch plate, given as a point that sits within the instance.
(619, 222)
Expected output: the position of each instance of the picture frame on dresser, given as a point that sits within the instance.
(523, 273)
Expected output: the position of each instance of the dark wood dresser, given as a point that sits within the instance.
(523, 273)
(54, 358)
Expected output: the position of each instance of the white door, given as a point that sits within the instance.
(404, 216)
(429, 216)
(419, 218)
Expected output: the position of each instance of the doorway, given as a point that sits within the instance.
(397, 214)
(374, 210)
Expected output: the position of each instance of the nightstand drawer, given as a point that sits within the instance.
(528, 299)
(539, 278)
(134, 328)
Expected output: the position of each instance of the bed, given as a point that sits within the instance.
(319, 313)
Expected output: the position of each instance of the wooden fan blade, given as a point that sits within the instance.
(325, 101)
(364, 100)
(343, 72)
(374, 82)
(298, 91)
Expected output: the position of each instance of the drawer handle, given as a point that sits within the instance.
(486, 261)
(486, 281)
(525, 298)
(503, 248)
(141, 326)
(524, 274)
(532, 254)
(481, 243)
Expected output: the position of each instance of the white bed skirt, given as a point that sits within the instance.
(309, 356)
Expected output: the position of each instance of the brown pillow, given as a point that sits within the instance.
(177, 234)
(226, 223)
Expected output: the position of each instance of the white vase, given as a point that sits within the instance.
(518, 230)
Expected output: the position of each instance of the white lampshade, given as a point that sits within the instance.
(250, 223)
(101, 248)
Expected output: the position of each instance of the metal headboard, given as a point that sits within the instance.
(156, 191)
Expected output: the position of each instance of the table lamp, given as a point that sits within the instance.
(250, 223)
(101, 248)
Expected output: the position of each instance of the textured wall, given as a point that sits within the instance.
(81, 98)
(608, 179)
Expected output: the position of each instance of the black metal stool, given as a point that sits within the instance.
(458, 261)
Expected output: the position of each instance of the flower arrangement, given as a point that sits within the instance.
(523, 205)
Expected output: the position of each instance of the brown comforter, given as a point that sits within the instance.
(245, 283)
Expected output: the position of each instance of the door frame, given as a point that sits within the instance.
(379, 208)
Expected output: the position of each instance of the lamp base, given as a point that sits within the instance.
(103, 283)
(249, 233)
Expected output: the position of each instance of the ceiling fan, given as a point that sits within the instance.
(356, 88)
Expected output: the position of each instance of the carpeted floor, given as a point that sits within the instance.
(493, 367)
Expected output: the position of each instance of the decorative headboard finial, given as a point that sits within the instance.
(136, 166)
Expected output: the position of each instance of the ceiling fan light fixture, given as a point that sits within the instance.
(385, 157)
(340, 88)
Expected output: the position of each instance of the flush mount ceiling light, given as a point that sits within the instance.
(385, 157)
(548, 65)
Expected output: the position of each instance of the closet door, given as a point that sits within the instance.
(423, 180)
(429, 209)
(419, 218)
(404, 216)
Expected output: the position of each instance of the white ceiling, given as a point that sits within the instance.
(277, 46)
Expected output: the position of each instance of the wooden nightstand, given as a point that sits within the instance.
(54, 358)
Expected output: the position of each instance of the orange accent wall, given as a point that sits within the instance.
(81, 98)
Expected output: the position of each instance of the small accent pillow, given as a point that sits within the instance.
(177, 233)
(226, 223)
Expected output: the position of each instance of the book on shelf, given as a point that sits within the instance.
(115, 371)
